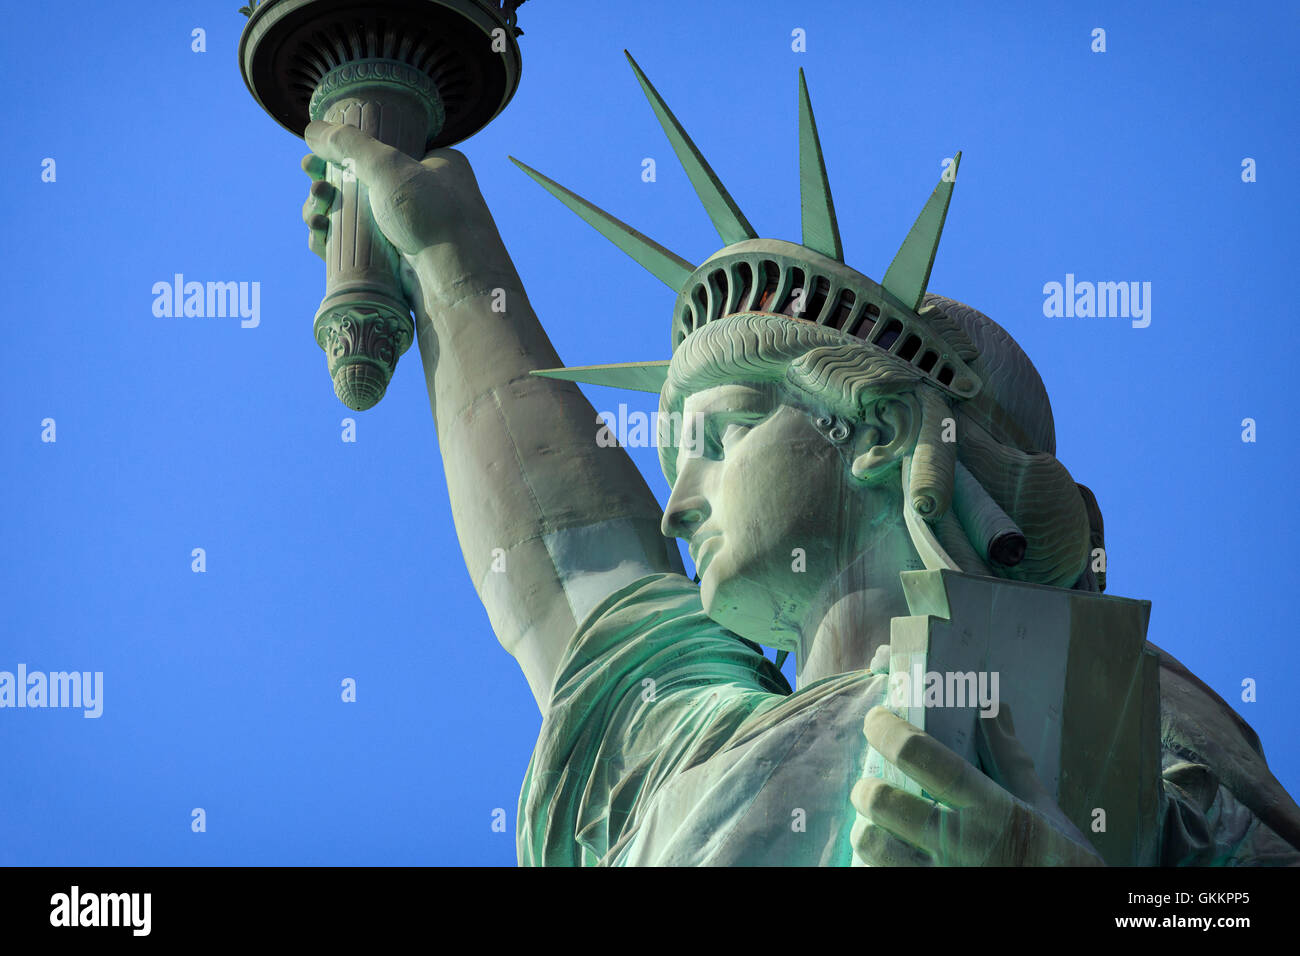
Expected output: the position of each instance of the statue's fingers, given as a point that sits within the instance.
(319, 199)
(939, 771)
(376, 164)
(942, 835)
(909, 817)
(876, 846)
(314, 166)
(317, 232)
(895, 809)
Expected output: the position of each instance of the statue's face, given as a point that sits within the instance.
(768, 507)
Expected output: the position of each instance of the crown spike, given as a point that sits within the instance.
(634, 376)
(909, 273)
(668, 267)
(821, 230)
(727, 218)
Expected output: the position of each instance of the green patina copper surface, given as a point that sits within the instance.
(865, 476)
(821, 231)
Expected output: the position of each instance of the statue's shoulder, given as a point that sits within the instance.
(1200, 727)
(1195, 712)
(633, 626)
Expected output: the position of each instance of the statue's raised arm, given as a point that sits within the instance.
(549, 521)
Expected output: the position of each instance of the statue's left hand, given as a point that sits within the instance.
(973, 821)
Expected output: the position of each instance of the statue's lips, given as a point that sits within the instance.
(701, 553)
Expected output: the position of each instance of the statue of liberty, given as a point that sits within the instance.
(827, 438)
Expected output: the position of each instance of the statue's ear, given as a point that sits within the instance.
(892, 426)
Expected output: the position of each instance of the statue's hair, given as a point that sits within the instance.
(994, 507)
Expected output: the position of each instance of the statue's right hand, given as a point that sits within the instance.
(415, 204)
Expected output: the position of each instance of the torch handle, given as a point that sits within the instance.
(364, 322)
(356, 253)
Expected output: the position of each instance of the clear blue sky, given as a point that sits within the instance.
(328, 560)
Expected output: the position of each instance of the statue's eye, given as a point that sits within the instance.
(722, 431)
(733, 432)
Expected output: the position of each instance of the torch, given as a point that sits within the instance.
(415, 74)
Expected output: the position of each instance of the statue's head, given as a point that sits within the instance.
(816, 424)
(798, 454)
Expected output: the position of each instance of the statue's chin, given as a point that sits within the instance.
(731, 601)
(719, 601)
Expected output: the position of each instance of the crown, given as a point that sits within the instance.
(806, 282)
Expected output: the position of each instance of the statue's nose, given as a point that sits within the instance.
(687, 509)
